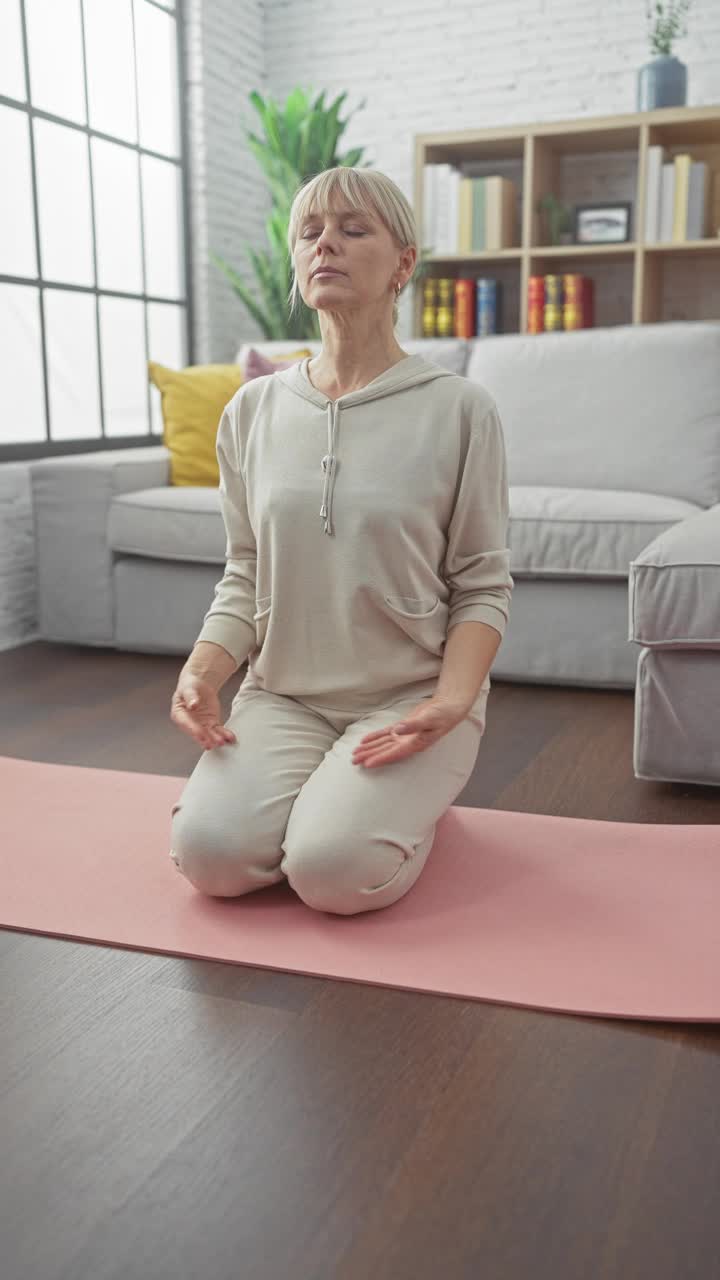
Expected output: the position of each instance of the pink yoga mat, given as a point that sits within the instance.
(610, 919)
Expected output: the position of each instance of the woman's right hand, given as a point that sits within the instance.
(195, 708)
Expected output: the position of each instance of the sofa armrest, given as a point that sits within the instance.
(71, 496)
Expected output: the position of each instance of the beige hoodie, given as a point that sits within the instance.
(358, 530)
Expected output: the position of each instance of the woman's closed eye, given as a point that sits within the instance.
(309, 235)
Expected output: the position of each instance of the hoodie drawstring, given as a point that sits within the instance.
(329, 464)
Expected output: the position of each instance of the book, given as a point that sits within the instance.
(714, 227)
(699, 204)
(500, 199)
(440, 210)
(656, 158)
(667, 200)
(691, 199)
(479, 213)
(465, 216)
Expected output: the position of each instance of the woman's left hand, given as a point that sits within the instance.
(428, 722)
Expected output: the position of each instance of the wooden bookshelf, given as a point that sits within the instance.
(535, 156)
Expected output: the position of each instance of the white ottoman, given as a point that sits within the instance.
(674, 613)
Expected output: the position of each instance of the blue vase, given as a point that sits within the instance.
(662, 83)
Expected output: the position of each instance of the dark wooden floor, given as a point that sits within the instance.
(168, 1119)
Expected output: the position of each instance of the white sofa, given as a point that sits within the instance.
(613, 447)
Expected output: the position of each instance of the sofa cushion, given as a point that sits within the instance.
(630, 407)
(673, 587)
(552, 533)
(582, 533)
(183, 523)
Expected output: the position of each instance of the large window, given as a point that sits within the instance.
(94, 268)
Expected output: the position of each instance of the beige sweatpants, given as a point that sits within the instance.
(286, 801)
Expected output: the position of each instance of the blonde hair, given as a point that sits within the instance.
(366, 190)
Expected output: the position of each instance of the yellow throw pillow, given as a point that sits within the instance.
(192, 403)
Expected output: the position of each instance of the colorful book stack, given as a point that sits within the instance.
(557, 302)
(461, 308)
(468, 308)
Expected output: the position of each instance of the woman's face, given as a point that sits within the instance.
(360, 247)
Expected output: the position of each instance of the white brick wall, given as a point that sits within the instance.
(422, 66)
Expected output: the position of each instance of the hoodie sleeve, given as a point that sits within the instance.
(477, 559)
(230, 619)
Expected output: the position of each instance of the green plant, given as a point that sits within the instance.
(559, 217)
(666, 26)
(300, 140)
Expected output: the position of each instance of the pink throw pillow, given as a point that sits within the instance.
(256, 364)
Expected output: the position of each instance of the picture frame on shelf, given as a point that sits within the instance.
(604, 223)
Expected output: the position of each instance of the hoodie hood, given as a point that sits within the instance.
(406, 373)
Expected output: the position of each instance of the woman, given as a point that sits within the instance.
(365, 501)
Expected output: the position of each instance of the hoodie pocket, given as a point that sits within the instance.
(261, 618)
(423, 619)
